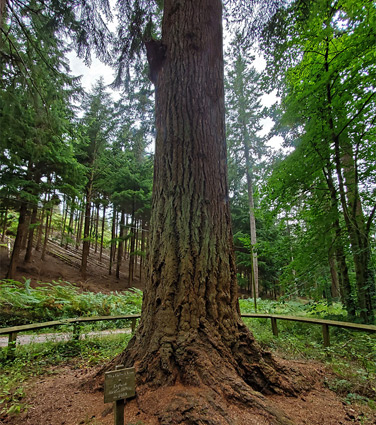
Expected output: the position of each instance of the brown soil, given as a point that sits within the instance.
(59, 397)
(52, 268)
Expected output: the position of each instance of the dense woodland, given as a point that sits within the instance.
(81, 169)
(305, 213)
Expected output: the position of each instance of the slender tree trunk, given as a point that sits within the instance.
(41, 220)
(86, 240)
(96, 228)
(252, 227)
(191, 336)
(5, 219)
(252, 219)
(47, 232)
(33, 221)
(132, 257)
(121, 244)
(21, 230)
(102, 233)
(40, 228)
(113, 236)
(127, 232)
(64, 216)
(92, 222)
(334, 276)
(26, 233)
(79, 230)
(142, 248)
(70, 225)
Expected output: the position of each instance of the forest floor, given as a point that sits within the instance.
(59, 397)
(52, 268)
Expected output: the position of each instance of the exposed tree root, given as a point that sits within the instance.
(200, 378)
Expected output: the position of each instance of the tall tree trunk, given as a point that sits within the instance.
(252, 222)
(79, 230)
(343, 274)
(334, 276)
(40, 227)
(33, 221)
(5, 219)
(121, 244)
(142, 248)
(113, 236)
(26, 233)
(21, 230)
(359, 238)
(102, 233)
(41, 220)
(64, 216)
(96, 228)
(347, 173)
(86, 240)
(70, 225)
(127, 232)
(191, 334)
(132, 257)
(47, 232)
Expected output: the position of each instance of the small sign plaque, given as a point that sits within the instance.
(119, 384)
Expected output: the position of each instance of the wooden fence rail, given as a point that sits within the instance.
(75, 322)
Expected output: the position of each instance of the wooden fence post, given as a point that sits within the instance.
(12, 345)
(133, 325)
(274, 326)
(326, 335)
(76, 331)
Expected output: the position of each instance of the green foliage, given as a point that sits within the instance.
(325, 53)
(297, 307)
(351, 355)
(21, 304)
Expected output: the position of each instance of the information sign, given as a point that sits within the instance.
(119, 384)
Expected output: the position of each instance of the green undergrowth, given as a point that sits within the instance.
(22, 304)
(298, 307)
(351, 356)
(34, 360)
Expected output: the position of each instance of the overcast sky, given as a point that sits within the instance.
(97, 69)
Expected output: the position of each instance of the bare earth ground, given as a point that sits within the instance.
(59, 398)
(97, 280)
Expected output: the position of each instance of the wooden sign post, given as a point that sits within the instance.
(119, 384)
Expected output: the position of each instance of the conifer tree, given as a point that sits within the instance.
(97, 127)
(245, 147)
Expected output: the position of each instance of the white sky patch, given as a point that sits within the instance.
(269, 99)
(91, 74)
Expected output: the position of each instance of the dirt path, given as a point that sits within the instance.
(56, 337)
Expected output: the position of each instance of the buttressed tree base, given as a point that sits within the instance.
(191, 350)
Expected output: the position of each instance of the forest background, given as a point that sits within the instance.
(303, 217)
